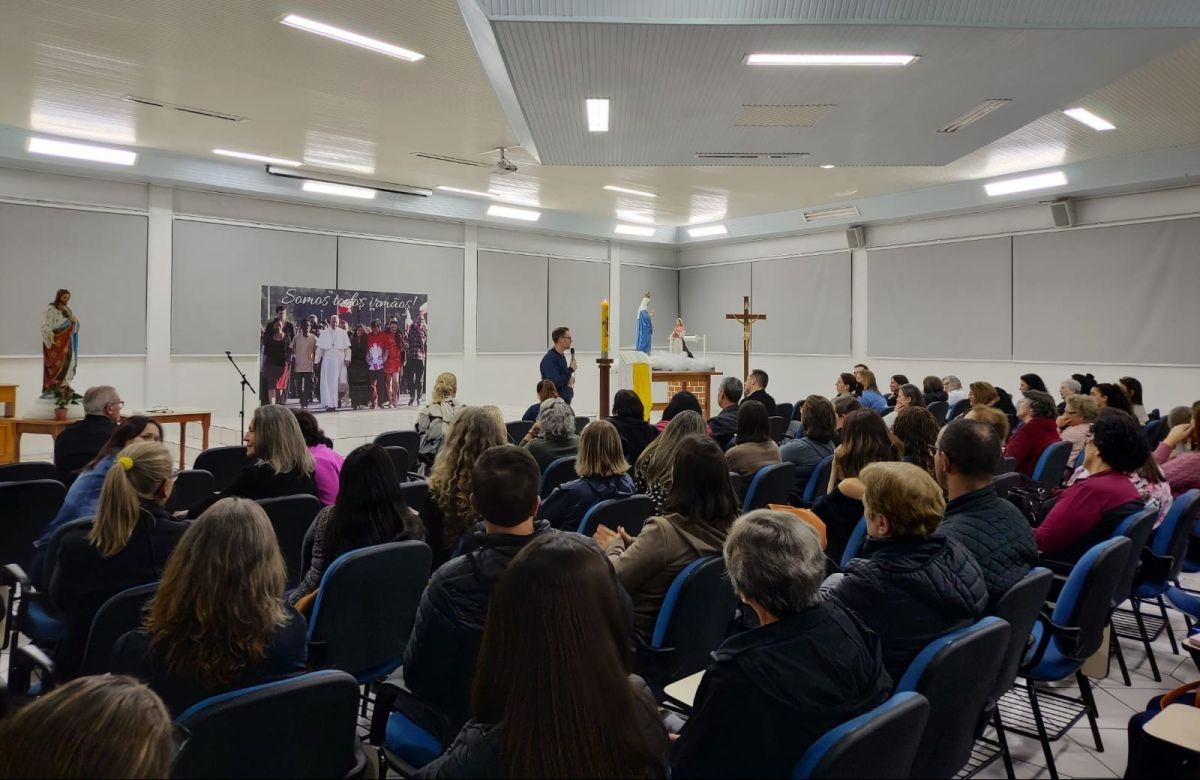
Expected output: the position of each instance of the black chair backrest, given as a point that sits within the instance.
(1137, 529)
(959, 408)
(580, 423)
(559, 471)
(1006, 465)
(119, 615)
(1052, 464)
(778, 427)
(695, 617)
(224, 463)
(300, 727)
(25, 472)
(191, 487)
(50, 561)
(881, 743)
(629, 513)
(26, 508)
(365, 608)
(1151, 431)
(770, 485)
(402, 460)
(939, 410)
(416, 493)
(786, 411)
(517, 429)
(290, 517)
(736, 482)
(1187, 506)
(1019, 607)
(409, 440)
(1006, 482)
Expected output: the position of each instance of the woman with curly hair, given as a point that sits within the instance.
(448, 513)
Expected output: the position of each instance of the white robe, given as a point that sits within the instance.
(333, 353)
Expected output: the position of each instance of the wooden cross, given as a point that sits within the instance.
(747, 319)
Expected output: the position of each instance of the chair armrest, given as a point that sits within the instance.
(13, 574)
(414, 476)
(317, 655)
(1154, 567)
(1050, 631)
(25, 660)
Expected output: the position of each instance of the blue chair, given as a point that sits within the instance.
(224, 463)
(1061, 644)
(1137, 527)
(365, 608)
(517, 429)
(1003, 483)
(778, 427)
(771, 485)
(559, 471)
(939, 410)
(409, 440)
(956, 673)
(416, 493)
(629, 513)
(581, 422)
(290, 518)
(960, 408)
(402, 460)
(300, 727)
(191, 487)
(693, 621)
(1080, 458)
(1052, 465)
(881, 743)
(1006, 465)
(1154, 431)
(28, 471)
(787, 411)
(857, 537)
(818, 480)
(119, 615)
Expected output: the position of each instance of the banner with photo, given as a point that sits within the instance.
(324, 349)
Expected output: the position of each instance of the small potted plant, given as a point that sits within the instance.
(64, 396)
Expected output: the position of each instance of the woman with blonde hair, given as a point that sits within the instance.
(280, 463)
(603, 475)
(448, 513)
(983, 394)
(654, 470)
(870, 397)
(218, 621)
(1075, 423)
(436, 416)
(127, 544)
(104, 726)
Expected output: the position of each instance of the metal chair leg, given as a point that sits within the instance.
(1162, 607)
(1115, 648)
(1003, 740)
(1141, 624)
(1085, 688)
(1043, 737)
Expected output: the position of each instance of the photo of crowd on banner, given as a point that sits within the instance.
(326, 349)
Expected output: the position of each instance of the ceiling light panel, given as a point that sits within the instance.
(634, 230)
(344, 190)
(631, 215)
(708, 230)
(628, 191)
(256, 157)
(839, 212)
(1040, 181)
(75, 151)
(813, 59)
(510, 213)
(353, 38)
(597, 114)
(1088, 118)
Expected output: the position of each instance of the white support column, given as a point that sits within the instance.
(158, 390)
(614, 313)
(470, 309)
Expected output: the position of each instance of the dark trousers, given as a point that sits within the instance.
(304, 383)
(414, 377)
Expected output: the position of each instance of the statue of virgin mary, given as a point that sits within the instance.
(645, 328)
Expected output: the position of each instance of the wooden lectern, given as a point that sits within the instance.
(8, 397)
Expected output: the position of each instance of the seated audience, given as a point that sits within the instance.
(1086, 382)
(846, 386)
(553, 435)
(629, 418)
(991, 528)
(908, 586)
(440, 659)
(917, 430)
(327, 464)
(1181, 466)
(280, 463)
(1180, 415)
(865, 440)
(756, 390)
(436, 416)
(1075, 423)
(906, 395)
(126, 544)
(682, 401)
(724, 425)
(218, 621)
(555, 698)
(1082, 515)
(370, 510)
(1108, 396)
(842, 406)
(983, 394)
(819, 423)
(870, 397)
(1039, 431)
(754, 448)
(1004, 402)
(1067, 388)
(763, 702)
(545, 389)
(1133, 389)
(655, 469)
(1031, 382)
(954, 390)
(603, 475)
(894, 388)
(992, 416)
(1153, 488)
(933, 390)
(449, 513)
(696, 518)
(103, 726)
(78, 444)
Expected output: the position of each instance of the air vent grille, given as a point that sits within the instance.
(750, 155)
(447, 158)
(782, 116)
(208, 112)
(975, 114)
(838, 212)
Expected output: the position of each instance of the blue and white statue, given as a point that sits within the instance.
(645, 329)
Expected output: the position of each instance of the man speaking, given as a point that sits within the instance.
(555, 366)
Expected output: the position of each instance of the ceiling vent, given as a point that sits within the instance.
(447, 158)
(838, 212)
(782, 116)
(975, 114)
(349, 181)
(145, 101)
(750, 155)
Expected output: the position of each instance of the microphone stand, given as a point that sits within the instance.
(244, 386)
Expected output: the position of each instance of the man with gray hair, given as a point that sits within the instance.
(954, 390)
(774, 690)
(723, 427)
(78, 444)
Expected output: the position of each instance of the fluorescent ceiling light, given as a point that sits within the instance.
(255, 157)
(302, 23)
(508, 211)
(708, 230)
(827, 166)
(462, 191)
(328, 188)
(837, 212)
(490, 195)
(831, 59)
(634, 230)
(1089, 119)
(597, 114)
(1025, 183)
(629, 215)
(81, 151)
(615, 188)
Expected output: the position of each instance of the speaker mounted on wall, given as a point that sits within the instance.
(856, 237)
(1062, 212)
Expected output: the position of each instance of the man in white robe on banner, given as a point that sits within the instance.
(333, 355)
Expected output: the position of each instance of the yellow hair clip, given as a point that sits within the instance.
(126, 462)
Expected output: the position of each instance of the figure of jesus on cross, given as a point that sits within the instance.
(747, 319)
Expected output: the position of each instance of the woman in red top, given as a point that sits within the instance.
(394, 363)
(1040, 430)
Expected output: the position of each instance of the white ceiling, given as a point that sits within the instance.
(66, 64)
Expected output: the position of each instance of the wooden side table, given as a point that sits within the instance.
(183, 417)
(8, 397)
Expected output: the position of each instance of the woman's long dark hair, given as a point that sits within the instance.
(753, 423)
(370, 509)
(852, 384)
(865, 440)
(1115, 396)
(129, 429)
(700, 489)
(628, 406)
(681, 402)
(553, 668)
(1034, 381)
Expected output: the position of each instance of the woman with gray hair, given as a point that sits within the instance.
(774, 690)
(1038, 431)
(1067, 388)
(553, 435)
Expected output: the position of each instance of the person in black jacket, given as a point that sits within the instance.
(774, 690)
(723, 427)
(629, 417)
(908, 587)
(756, 390)
(440, 657)
(126, 545)
(603, 475)
(993, 530)
(78, 443)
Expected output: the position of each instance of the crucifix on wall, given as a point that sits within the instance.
(747, 319)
